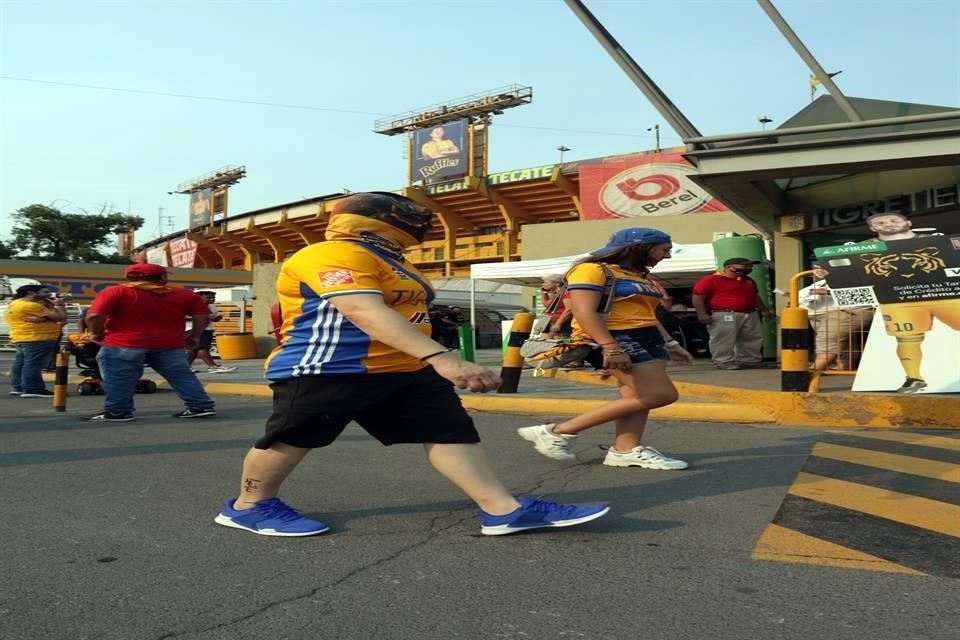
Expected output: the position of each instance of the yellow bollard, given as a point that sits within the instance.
(60, 381)
(795, 341)
(512, 360)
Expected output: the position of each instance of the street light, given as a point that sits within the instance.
(562, 149)
(656, 131)
(764, 121)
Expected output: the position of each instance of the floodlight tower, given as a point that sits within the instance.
(449, 140)
(208, 195)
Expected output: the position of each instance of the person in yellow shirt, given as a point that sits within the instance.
(614, 304)
(35, 321)
(355, 346)
(438, 146)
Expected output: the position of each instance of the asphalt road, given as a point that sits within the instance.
(108, 534)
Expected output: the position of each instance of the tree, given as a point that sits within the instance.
(6, 251)
(46, 233)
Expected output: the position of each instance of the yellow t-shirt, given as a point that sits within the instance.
(23, 331)
(316, 339)
(438, 148)
(635, 298)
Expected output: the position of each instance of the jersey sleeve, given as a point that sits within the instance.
(336, 269)
(588, 276)
(105, 302)
(703, 286)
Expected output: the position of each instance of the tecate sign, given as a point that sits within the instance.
(660, 189)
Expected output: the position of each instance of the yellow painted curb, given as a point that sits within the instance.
(832, 410)
(519, 403)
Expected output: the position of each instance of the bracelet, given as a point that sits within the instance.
(436, 353)
(614, 352)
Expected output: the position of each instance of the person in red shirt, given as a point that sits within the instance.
(728, 303)
(141, 322)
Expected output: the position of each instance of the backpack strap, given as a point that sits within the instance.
(606, 298)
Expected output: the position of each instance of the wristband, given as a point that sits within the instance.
(671, 343)
(436, 353)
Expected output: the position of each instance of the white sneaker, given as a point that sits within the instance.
(547, 442)
(221, 369)
(646, 457)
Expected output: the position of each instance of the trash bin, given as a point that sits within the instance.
(236, 346)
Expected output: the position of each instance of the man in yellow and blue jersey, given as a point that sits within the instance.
(355, 346)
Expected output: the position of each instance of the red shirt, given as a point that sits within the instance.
(727, 294)
(139, 319)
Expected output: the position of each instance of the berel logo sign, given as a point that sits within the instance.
(658, 189)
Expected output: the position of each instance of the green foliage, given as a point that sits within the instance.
(46, 233)
(6, 251)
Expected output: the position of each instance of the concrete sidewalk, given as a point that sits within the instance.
(748, 396)
(706, 395)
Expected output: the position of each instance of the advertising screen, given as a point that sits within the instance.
(440, 152)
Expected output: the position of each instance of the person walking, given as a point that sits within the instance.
(355, 345)
(728, 303)
(141, 322)
(35, 320)
(634, 349)
(205, 342)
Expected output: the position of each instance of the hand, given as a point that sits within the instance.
(766, 314)
(95, 337)
(679, 355)
(192, 342)
(613, 360)
(821, 273)
(465, 375)
(705, 319)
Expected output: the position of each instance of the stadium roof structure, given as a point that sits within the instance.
(497, 205)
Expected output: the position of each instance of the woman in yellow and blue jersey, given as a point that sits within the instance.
(633, 347)
(355, 346)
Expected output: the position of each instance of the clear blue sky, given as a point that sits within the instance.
(722, 63)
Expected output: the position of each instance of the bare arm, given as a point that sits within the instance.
(700, 304)
(95, 322)
(380, 322)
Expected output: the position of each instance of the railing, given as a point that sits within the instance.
(839, 334)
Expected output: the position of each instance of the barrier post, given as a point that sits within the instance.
(795, 341)
(465, 333)
(512, 360)
(60, 381)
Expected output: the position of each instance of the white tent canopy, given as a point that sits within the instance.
(687, 264)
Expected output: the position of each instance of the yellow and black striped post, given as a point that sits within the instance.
(795, 341)
(60, 381)
(512, 360)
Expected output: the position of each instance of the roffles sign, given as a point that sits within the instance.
(639, 187)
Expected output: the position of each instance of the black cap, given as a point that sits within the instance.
(730, 261)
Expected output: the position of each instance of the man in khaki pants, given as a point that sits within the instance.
(728, 303)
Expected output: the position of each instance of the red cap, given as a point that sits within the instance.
(145, 270)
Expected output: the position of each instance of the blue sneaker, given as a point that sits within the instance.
(271, 517)
(536, 514)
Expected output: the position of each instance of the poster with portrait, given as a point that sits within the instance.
(915, 337)
(201, 207)
(440, 152)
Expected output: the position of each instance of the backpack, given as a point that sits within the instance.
(549, 353)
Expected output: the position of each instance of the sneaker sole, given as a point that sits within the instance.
(505, 529)
(199, 415)
(130, 419)
(643, 465)
(540, 448)
(227, 522)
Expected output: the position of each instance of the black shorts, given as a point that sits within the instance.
(205, 341)
(642, 345)
(394, 408)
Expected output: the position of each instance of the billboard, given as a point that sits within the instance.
(158, 255)
(914, 342)
(183, 253)
(640, 186)
(201, 207)
(440, 152)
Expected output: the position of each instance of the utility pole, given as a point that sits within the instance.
(160, 219)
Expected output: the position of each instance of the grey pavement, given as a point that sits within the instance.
(108, 534)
